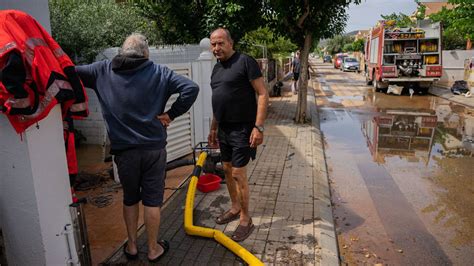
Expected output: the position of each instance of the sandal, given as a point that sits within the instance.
(166, 246)
(243, 231)
(227, 217)
(129, 256)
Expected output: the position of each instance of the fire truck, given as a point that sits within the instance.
(408, 57)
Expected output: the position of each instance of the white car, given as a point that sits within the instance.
(350, 64)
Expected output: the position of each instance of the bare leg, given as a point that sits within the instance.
(240, 176)
(130, 215)
(232, 187)
(152, 224)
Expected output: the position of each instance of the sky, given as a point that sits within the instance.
(367, 13)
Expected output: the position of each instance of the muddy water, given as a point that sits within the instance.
(402, 174)
(89, 156)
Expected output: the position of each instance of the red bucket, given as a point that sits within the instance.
(208, 183)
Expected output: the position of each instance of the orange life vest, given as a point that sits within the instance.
(50, 77)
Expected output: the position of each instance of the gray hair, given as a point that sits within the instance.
(135, 45)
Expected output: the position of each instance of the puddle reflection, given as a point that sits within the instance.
(421, 129)
(417, 151)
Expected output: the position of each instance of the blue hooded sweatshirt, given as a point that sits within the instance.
(132, 92)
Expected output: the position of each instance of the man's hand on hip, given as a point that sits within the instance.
(256, 138)
(164, 119)
(212, 138)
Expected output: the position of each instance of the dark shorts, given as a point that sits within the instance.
(234, 143)
(142, 175)
(296, 76)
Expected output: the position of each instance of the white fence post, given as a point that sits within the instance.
(34, 182)
(202, 108)
(34, 192)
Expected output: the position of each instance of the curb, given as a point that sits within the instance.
(324, 229)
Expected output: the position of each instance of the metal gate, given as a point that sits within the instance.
(180, 135)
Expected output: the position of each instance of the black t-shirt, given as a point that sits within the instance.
(296, 65)
(233, 97)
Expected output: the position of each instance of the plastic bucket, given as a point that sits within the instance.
(208, 183)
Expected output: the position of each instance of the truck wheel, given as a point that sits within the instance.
(423, 87)
(379, 86)
(423, 91)
(375, 85)
(367, 80)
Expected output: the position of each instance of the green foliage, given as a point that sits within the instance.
(276, 46)
(178, 21)
(463, 18)
(457, 23)
(239, 16)
(318, 50)
(84, 28)
(304, 23)
(358, 45)
(295, 19)
(452, 40)
(401, 20)
(347, 47)
(421, 12)
(340, 43)
(188, 21)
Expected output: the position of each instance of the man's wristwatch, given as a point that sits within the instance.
(260, 128)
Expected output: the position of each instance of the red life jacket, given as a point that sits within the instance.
(71, 157)
(49, 75)
(70, 145)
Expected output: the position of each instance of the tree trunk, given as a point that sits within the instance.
(303, 80)
(468, 44)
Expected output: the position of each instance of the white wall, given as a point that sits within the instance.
(92, 127)
(453, 66)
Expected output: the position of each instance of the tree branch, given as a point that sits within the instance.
(304, 16)
(287, 24)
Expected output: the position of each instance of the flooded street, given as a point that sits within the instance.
(401, 173)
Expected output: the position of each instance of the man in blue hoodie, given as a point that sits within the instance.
(133, 92)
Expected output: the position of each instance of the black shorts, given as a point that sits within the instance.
(234, 142)
(296, 76)
(142, 175)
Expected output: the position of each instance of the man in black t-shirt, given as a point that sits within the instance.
(295, 68)
(237, 123)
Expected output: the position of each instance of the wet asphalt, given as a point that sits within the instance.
(401, 173)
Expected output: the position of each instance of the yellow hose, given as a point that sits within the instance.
(209, 232)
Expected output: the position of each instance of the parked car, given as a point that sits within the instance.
(350, 64)
(338, 60)
(327, 59)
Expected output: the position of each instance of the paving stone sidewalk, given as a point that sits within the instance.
(289, 203)
(448, 95)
